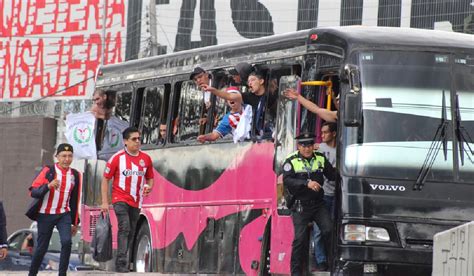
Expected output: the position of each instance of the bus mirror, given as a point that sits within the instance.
(352, 110)
(353, 76)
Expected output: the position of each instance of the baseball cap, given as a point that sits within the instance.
(196, 71)
(232, 89)
(64, 147)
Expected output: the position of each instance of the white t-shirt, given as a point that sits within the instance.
(330, 153)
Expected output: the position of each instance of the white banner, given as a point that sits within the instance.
(80, 134)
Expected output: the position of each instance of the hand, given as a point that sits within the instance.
(207, 87)
(202, 121)
(104, 208)
(54, 184)
(3, 253)
(313, 185)
(147, 190)
(201, 138)
(291, 94)
(74, 230)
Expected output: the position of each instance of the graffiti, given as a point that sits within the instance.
(48, 46)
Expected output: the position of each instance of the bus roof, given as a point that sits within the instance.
(210, 57)
(353, 37)
(279, 46)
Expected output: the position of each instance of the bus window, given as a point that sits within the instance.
(123, 106)
(220, 107)
(191, 111)
(326, 98)
(112, 131)
(153, 117)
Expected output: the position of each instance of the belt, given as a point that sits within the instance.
(310, 202)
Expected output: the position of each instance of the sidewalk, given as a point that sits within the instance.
(75, 273)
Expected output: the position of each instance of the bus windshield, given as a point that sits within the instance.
(402, 99)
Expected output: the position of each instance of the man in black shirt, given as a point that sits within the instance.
(257, 98)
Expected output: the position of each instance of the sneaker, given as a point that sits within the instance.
(122, 269)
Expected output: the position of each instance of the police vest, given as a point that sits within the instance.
(301, 165)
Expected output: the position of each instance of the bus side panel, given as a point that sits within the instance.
(254, 218)
(280, 244)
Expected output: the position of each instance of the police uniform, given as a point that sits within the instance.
(308, 204)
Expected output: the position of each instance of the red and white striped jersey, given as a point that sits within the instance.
(234, 119)
(129, 173)
(56, 201)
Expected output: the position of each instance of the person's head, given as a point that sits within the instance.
(64, 154)
(235, 106)
(131, 138)
(104, 98)
(328, 132)
(240, 72)
(199, 76)
(305, 144)
(163, 131)
(256, 83)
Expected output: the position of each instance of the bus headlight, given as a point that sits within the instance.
(377, 234)
(360, 233)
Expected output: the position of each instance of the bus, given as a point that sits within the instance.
(405, 157)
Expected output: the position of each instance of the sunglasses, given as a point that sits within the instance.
(135, 139)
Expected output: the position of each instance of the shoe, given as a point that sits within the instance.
(320, 267)
(122, 269)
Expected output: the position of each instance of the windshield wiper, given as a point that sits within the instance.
(462, 134)
(439, 139)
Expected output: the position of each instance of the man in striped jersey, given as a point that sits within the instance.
(229, 122)
(58, 190)
(129, 168)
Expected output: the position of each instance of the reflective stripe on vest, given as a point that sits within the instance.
(299, 164)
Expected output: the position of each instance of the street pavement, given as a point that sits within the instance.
(104, 273)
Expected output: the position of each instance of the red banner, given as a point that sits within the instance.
(53, 48)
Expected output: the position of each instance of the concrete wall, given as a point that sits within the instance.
(453, 252)
(26, 143)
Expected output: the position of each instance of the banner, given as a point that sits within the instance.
(53, 48)
(80, 134)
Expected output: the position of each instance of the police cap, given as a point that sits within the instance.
(305, 138)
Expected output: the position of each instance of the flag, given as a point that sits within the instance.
(80, 134)
(113, 141)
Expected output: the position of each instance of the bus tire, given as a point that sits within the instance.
(143, 251)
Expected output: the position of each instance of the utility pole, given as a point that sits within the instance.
(153, 34)
(104, 21)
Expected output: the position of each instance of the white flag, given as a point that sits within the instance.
(113, 141)
(80, 134)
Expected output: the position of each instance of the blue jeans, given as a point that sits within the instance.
(319, 250)
(46, 225)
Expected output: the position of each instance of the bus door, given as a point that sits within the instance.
(280, 243)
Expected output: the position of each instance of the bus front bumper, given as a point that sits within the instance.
(365, 260)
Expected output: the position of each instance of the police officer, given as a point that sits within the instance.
(303, 173)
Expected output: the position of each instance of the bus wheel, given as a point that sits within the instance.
(143, 251)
